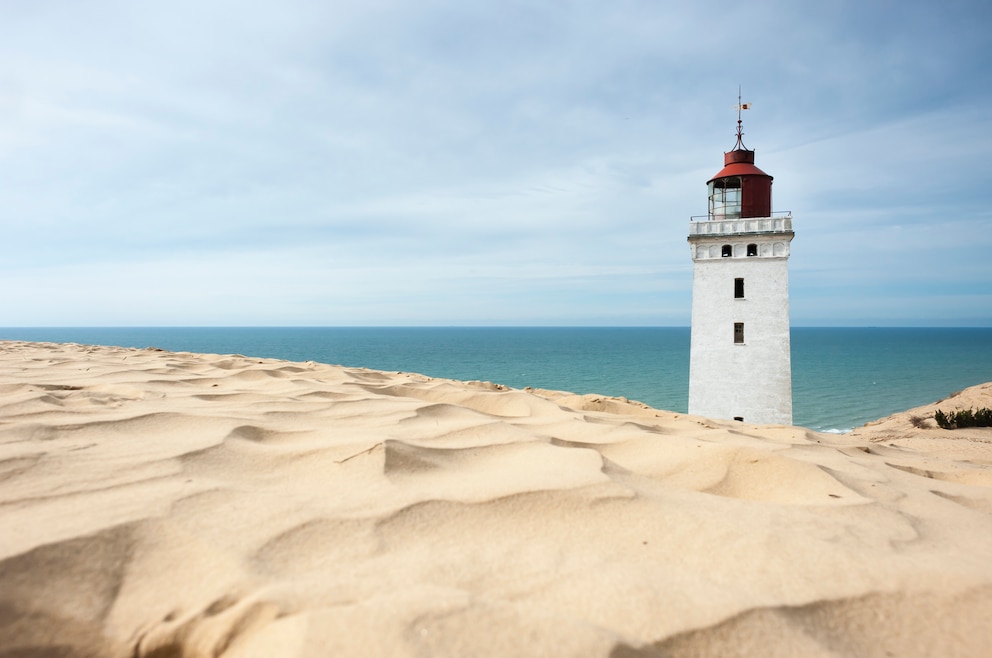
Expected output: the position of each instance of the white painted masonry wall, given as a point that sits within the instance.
(751, 380)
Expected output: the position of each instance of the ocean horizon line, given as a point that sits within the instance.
(460, 326)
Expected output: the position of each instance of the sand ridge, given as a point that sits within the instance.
(176, 504)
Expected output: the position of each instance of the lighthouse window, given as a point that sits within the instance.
(752, 250)
(738, 288)
(738, 332)
(725, 198)
(727, 251)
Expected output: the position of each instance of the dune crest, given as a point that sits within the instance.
(175, 504)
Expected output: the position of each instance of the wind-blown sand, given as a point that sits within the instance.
(174, 504)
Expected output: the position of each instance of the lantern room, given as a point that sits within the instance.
(740, 190)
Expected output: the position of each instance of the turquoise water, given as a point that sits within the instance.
(842, 377)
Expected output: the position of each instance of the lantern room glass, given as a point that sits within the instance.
(725, 198)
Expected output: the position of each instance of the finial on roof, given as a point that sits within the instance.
(740, 129)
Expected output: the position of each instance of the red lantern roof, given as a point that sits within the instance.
(739, 162)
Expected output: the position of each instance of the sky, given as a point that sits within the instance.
(460, 162)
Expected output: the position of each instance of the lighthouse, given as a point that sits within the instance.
(740, 364)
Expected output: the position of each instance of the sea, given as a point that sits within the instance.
(841, 377)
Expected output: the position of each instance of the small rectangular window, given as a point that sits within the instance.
(738, 288)
(738, 332)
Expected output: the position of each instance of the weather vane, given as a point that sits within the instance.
(740, 131)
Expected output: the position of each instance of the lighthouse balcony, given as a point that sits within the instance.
(779, 222)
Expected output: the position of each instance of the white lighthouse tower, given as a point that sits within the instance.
(740, 364)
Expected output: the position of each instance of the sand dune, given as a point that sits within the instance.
(172, 504)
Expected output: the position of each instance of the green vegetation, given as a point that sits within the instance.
(963, 418)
